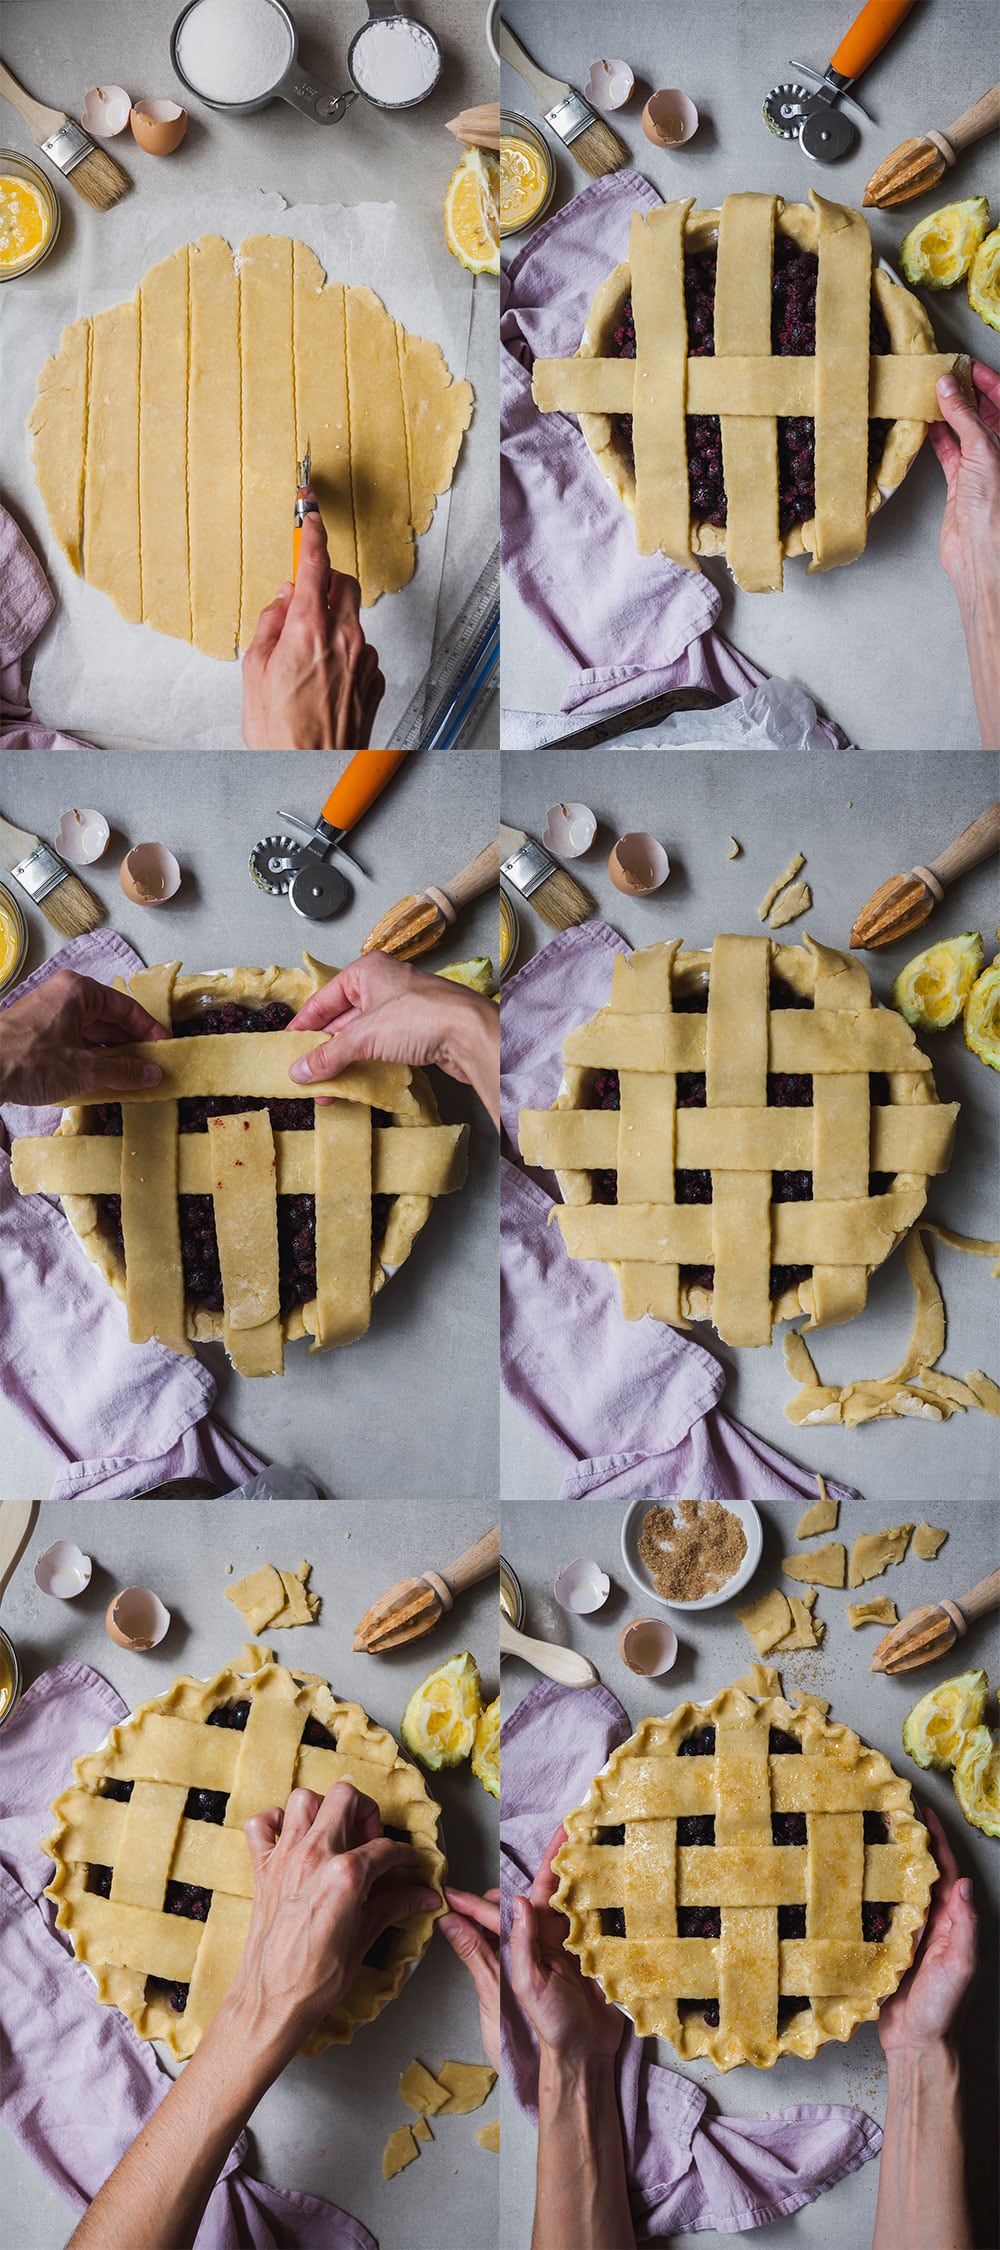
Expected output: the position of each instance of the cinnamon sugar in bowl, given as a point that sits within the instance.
(692, 1554)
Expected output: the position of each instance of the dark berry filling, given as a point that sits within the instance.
(232, 1715)
(876, 1827)
(788, 2007)
(793, 334)
(696, 1828)
(318, 1737)
(120, 1790)
(296, 1213)
(708, 2009)
(788, 1828)
(176, 1994)
(207, 1804)
(614, 1835)
(700, 1744)
(876, 1921)
(699, 1921)
(188, 1900)
(791, 1921)
(782, 1745)
(99, 1881)
(612, 1921)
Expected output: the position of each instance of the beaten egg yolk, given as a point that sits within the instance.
(523, 182)
(25, 224)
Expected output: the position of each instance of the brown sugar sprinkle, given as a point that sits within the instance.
(691, 1550)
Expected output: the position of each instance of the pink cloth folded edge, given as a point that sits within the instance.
(631, 1407)
(117, 1418)
(78, 2084)
(690, 2170)
(26, 604)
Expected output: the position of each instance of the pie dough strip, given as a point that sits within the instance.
(163, 299)
(91, 1164)
(322, 403)
(801, 1040)
(748, 1940)
(901, 385)
(659, 430)
(268, 424)
(750, 437)
(58, 423)
(214, 481)
(736, 1066)
(843, 1140)
(257, 1062)
(644, 1160)
(569, 1140)
(111, 483)
(245, 1201)
(151, 1232)
(144, 1859)
(843, 343)
(803, 1234)
(343, 1224)
(380, 473)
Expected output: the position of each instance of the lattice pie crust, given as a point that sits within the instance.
(141, 1942)
(821, 1842)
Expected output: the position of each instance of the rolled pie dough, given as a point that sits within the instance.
(167, 433)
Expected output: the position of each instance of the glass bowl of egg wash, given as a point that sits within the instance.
(29, 215)
(527, 173)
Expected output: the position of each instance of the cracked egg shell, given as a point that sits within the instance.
(610, 84)
(648, 1647)
(82, 836)
(136, 1618)
(638, 864)
(569, 830)
(104, 111)
(63, 1570)
(149, 875)
(159, 127)
(669, 118)
(582, 1587)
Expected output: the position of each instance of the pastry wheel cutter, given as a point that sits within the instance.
(811, 114)
(304, 872)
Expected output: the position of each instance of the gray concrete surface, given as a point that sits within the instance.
(879, 645)
(390, 1415)
(371, 156)
(714, 1648)
(857, 820)
(323, 2126)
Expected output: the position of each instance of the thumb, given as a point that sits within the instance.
(353, 1044)
(106, 1066)
(262, 1831)
(960, 415)
(524, 1958)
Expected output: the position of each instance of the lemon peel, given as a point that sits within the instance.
(932, 990)
(439, 1723)
(940, 249)
(935, 1729)
(984, 280)
(982, 1016)
(486, 1748)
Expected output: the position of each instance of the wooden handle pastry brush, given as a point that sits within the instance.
(530, 870)
(91, 171)
(585, 136)
(420, 920)
(62, 898)
(931, 1631)
(917, 165)
(905, 901)
(416, 1605)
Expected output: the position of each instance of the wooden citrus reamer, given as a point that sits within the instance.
(931, 1631)
(415, 1605)
(904, 902)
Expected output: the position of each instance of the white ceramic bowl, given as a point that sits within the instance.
(747, 1514)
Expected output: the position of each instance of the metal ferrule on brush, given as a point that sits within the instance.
(39, 873)
(67, 147)
(527, 868)
(570, 118)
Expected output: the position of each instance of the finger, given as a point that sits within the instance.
(309, 594)
(355, 1041)
(546, 1879)
(986, 380)
(324, 1006)
(301, 1813)
(964, 419)
(945, 1857)
(104, 1066)
(270, 626)
(385, 1858)
(947, 448)
(392, 1908)
(476, 1951)
(262, 1831)
(525, 1959)
(341, 1810)
(115, 1015)
(344, 599)
(483, 1911)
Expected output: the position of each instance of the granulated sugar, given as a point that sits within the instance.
(395, 60)
(233, 50)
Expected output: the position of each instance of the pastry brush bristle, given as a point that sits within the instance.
(598, 149)
(561, 900)
(98, 179)
(71, 908)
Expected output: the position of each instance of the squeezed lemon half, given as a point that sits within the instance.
(940, 249)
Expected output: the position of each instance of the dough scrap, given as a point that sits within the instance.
(825, 1564)
(421, 2130)
(822, 1516)
(421, 2090)
(927, 1538)
(879, 1611)
(488, 2136)
(807, 1631)
(269, 1596)
(468, 2085)
(873, 1551)
(767, 1620)
(913, 1389)
(803, 1701)
(167, 431)
(797, 860)
(796, 899)
(399, 2151)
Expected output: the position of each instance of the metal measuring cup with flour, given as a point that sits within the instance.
(238, 55)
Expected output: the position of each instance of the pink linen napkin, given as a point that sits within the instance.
(118, 1418)
(26, 604)
(690, 2170)
(639, 625)
(630, 1405)
(60, 2045)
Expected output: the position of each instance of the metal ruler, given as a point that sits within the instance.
(444, 712)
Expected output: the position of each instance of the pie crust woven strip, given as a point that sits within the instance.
(852, 1872)
(839, 387)
(172, 1773)
(244, 1166)
(841, 1232)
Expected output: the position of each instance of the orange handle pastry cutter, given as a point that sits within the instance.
(304, 872)
(811, 114)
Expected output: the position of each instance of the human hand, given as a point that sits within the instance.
(326, 1883)
(967, 444)
(472, 1928)
(567, 2010)
(925, 2007)
(382, 1010)
(59, 1041)
(310, 679)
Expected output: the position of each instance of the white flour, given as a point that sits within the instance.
(395, 60)
(233, 50)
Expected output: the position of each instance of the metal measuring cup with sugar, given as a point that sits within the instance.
(290, 82)
(371, 56)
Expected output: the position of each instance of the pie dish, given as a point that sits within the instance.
(745, 1879)
(224, 1204)
(152, 1878)
(742, 1135)
(749, 385)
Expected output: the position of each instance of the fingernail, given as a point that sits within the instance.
(430, 1899)
(947, 387)
(965, 1890)
(519, 1910)
(151, 1074)
(300, 1070)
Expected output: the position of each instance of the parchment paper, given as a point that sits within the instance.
(125, 686)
